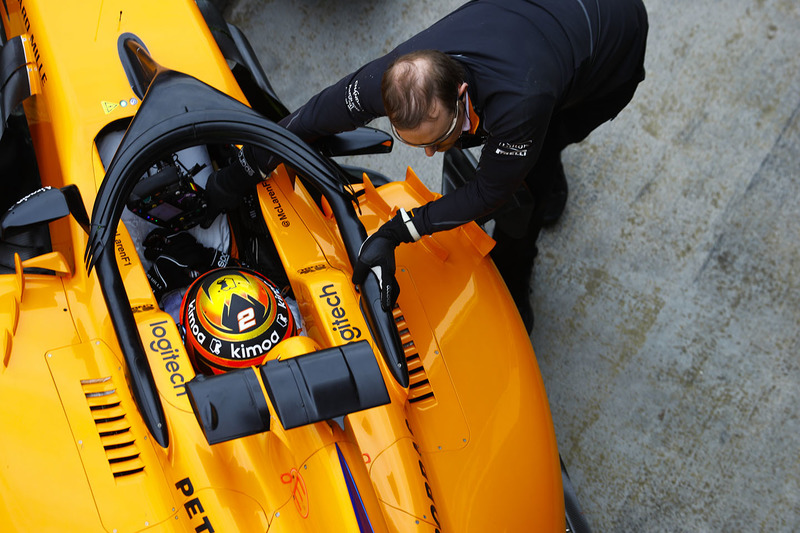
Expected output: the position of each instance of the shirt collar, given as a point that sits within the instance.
(472, 119)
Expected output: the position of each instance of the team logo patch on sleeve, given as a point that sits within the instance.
(352, 97)
(513, 149)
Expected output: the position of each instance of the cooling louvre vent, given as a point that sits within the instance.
(419, 388)
(113, 427)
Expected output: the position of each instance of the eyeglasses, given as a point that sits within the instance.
(441, 139)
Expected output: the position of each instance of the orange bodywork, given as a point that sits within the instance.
(468, 446)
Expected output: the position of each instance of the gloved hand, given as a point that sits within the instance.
(177, 260)
(227, 186)
(377, 254)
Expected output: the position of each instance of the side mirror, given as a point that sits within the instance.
(360, 141)
(43, 206)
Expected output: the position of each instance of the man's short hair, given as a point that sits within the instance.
(414, 81)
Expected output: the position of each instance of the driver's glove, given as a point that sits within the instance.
(377, 254)
(178, 259)
(227, 186)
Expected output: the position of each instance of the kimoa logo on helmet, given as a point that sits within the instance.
(240, 351)
(233, 318)
(193, 327)
(244, 351)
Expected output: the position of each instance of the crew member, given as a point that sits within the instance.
(524, 78)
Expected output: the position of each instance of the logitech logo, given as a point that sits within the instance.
(341, 324)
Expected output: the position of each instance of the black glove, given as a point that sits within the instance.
(177, 260)
(227, 186)
(377, 254)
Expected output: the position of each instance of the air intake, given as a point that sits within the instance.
(420, 391)
(113, 427)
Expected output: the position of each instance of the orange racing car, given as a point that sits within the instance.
(267, 393)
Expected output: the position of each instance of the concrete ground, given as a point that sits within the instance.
(667, 299)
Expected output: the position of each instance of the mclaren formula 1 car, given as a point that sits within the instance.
(165, 369)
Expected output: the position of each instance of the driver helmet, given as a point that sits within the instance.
(232, 318)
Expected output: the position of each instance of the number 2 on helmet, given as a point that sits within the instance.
(246, 318)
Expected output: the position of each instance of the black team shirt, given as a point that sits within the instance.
(524, 60)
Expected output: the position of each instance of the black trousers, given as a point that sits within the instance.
(516, 247)
(567, 126)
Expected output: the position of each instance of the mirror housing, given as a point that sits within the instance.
(360, 141)
(44, 206)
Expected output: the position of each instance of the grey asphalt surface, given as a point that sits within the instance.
(667, 299)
